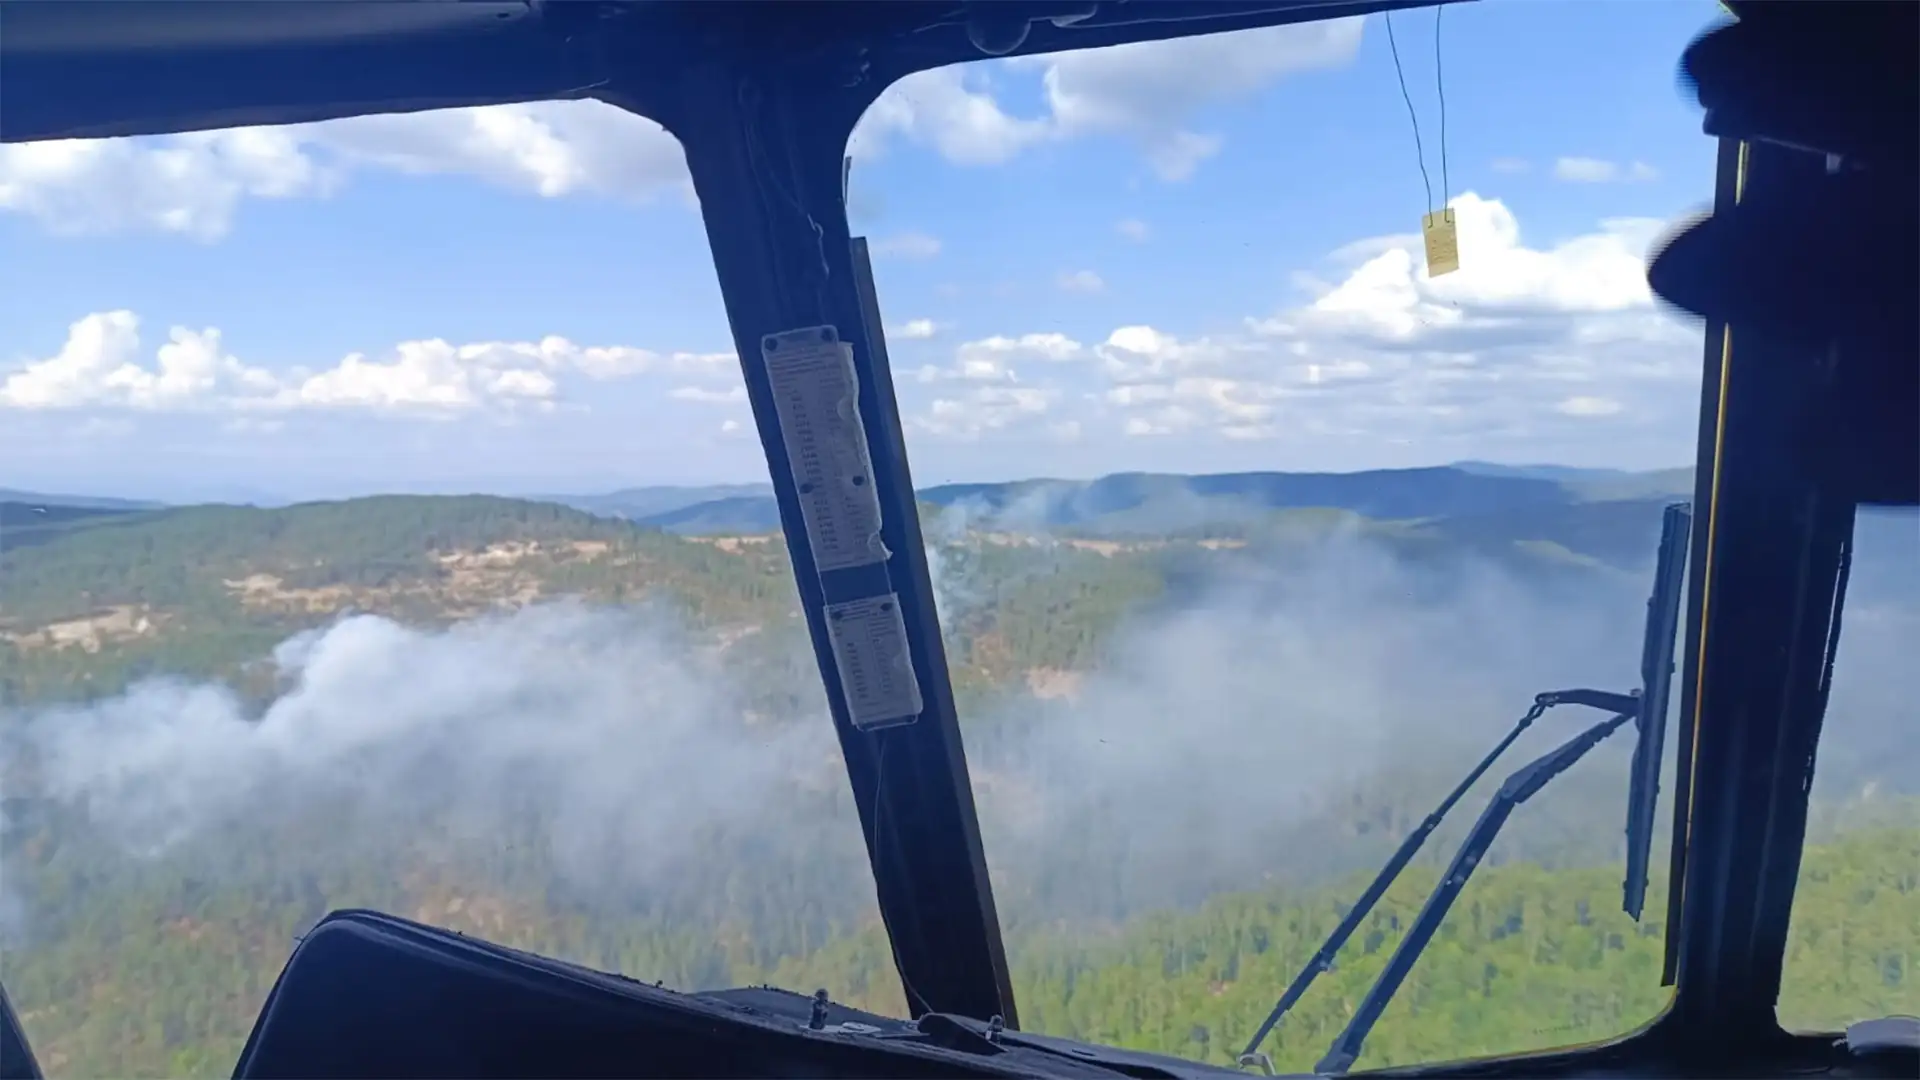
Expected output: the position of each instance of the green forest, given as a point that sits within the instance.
(219, 723)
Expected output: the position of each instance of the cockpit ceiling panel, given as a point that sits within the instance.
(59, 27)
(133, 67)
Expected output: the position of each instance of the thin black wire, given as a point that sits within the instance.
(1440, 84)
(1408, 98)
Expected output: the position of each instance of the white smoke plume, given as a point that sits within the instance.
(1218, 726)
(606, 720)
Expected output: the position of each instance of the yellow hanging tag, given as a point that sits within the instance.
(1443, 242)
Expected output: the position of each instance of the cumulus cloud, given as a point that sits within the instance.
(1149, 92)
(916, 330)
(1052, 347)
(732, 395)
(992, 386)
(1588, 405)
(1508, 348)
(1501, 282)
(1585, 170)
(984, 409)
(1133, 229)
(101, 366)
(193, 184)
(1084, 282)
(184, 184)
(996, 359)
(909, 245)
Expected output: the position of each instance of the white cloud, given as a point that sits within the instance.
(1133, 354)
(1504, 353)
(1349, 255)
(916, 330)
(1148, 92)
(1236, 407)
(1133, 229)
(185, 184)
(100, 367)
(985, 409)
(991, 387)
(1500, 283)
(707, 396)
(1051, 347)
(1585, 405)
(193, 184)
(911, 245)
(1084, 282)
(1151, 90)
(951, 109)
(1583, 170)
(549, 148)
(993, 359)
(428, 376)
(1511, 165)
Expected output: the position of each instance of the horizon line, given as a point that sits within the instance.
(549, 492)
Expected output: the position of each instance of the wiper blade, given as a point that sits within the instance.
(1323, 959)
(1656, 677)
(1519, 787)
(1647, 706)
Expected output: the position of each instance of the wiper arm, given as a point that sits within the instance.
(1656, 679)
(1519, 787)
(1323, 959)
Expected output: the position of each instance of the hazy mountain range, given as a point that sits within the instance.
(1167, 502)
(1122, 503)
(1124, 500)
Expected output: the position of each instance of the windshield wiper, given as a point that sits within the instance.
(1656, 679)
(1323, 959)
(1647, 706)
(1520, 787)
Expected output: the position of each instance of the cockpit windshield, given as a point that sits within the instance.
(1306, 476)
(329, 583)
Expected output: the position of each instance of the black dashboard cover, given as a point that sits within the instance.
(367, 995)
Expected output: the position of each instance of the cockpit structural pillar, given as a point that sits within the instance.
(765, 145)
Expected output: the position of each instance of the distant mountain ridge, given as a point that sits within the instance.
(1558, 473)
(656, 501)
(76, 502)
(1124, 503)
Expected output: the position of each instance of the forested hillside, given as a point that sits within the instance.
(606, 742)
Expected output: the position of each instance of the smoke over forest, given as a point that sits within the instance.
(1282, 715)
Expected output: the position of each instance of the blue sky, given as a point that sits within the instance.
(1188, 256)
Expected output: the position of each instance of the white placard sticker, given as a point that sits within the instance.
(816, 395)
(870, 651)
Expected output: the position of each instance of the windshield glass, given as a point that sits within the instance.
(417, 393)
(383, 524)
(1251, 537)
(1854, 940)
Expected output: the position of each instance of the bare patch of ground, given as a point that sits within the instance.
(1054, 683)
(89, 633)
(733, 544)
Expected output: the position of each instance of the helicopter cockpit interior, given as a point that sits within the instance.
(1803, 275)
